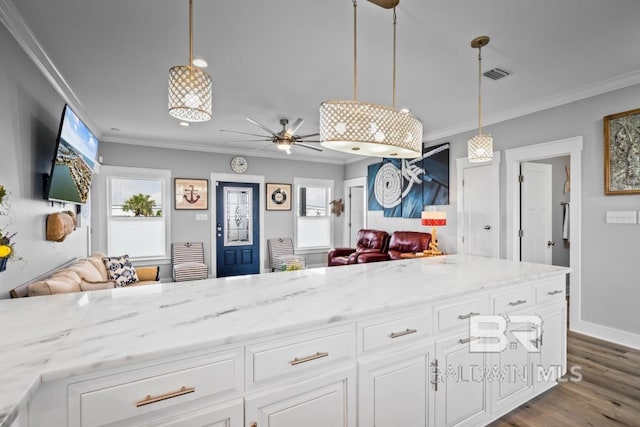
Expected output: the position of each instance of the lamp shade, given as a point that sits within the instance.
(369, 129)
(189, 93)
(434, 218)
(480, 148)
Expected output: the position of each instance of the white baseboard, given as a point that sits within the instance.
(606, 333)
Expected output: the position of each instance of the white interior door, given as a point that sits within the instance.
(356, 213)
(535, 213)
(480, 213)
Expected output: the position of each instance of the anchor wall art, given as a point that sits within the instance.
(402, 187)
(192, 193)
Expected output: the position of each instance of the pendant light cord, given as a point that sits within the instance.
(190, 33)
(480, 90)
(355, 51)
(394, 58)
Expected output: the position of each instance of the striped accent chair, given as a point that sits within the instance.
(187, 261)
(281, 254)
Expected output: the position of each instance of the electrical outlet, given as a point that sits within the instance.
(622, 217)
(201, 217)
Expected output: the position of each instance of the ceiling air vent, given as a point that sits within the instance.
(496, 73)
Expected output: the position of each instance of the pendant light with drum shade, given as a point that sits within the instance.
(190, 87)
(480, 147)
(367, 129)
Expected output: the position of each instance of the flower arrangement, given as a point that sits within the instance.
(7, 248)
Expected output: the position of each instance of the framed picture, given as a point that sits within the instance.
(278, 197)
(191, 194)
(622, 153)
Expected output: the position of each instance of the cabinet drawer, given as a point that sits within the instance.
(551, 290)
(122, 396)
(300, 353)
(382, 332)
(457, 315)
(512, 301)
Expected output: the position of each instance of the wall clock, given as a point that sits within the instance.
(239, 164)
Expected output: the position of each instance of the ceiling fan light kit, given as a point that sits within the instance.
(190, 87)
(369, 129)
(480, 147)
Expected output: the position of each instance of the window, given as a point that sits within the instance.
(137, 212)
(314, 223)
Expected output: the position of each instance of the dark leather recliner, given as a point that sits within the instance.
(401, 242)
(369, 241)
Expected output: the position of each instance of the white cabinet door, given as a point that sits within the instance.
(553, 349)
(509, 374)
(461, 396)
(228, 414)
(396, 390)
(319, 402)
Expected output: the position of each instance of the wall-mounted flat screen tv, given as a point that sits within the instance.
(72, 169)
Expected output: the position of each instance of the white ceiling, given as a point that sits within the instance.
(273, 59)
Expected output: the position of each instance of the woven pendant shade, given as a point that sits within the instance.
(189, 94)
(480, 148)
(369, 129)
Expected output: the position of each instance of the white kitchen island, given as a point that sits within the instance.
(383, 344)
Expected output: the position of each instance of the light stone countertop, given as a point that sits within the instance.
(54, 337)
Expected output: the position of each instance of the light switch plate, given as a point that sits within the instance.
(622, 217)
(201, 217)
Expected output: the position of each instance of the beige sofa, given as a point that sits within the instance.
(87, 274)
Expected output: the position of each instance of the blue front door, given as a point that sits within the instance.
(237, 229)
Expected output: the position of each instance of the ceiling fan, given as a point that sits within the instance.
(285, 139)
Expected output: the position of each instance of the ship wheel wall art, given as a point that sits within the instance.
(191, 194)
(402, 187)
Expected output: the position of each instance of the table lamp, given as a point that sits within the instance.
(434, 219)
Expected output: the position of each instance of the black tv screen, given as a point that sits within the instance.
(72, 169)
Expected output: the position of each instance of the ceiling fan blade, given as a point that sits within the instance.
(309, 140)
(298, 144)
(251, 140)
(293, 129)
(307, 135)
(262, 126)
(243, 133)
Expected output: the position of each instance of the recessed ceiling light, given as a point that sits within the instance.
(200, 62)
(184, 124)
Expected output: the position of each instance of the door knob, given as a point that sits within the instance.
(550, 243)
(487, 227)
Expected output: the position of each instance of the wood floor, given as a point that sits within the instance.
(607, 395)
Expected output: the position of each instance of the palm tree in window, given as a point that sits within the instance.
(140, 205)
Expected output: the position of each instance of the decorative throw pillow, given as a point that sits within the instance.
(120, 270)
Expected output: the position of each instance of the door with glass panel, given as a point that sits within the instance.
(237, 229)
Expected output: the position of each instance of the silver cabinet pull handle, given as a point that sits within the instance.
(466, 316)
(520, 301)
(153, 399)
(434, 365)
(405, 332)
(557, 291)
(465, 340)
(299, 360)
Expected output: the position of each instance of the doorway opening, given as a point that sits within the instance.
(571, 148)
(355, 209)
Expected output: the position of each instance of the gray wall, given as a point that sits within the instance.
(610, 255)
(30, 113)
(191, 164)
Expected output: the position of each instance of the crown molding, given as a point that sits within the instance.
(16, 25)
(195, 146)
(609, 85)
